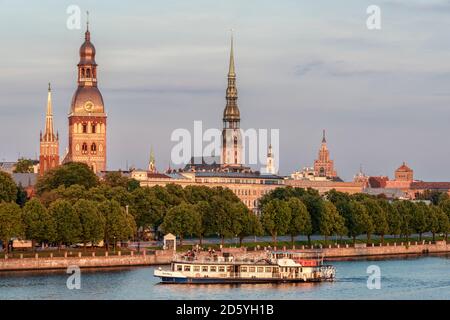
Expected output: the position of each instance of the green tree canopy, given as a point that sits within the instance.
(24, 166)
(91, 220)
(67, 175)
(38, 222)
(300, 222)
(8, 189)
(10, 222)
(119, 226)
(181, 220)
(331, 222)
(275, 218)
(67, 222)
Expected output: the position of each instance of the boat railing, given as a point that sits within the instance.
(245, 259)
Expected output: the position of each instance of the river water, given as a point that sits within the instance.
(412, 278)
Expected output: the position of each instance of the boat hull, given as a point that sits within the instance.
(210, 280)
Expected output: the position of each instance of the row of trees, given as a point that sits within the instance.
(294, 211)
(84, 221)
(73, 206)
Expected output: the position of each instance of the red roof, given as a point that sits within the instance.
(430, 185)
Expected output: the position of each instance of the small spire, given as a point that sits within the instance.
(87, 34)
(324, 140)
(49, 87)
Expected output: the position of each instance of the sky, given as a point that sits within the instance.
(383, 96)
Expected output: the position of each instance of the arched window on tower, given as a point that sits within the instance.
(84, 148)
(88, 73)
(82, 72)
(93, 148)
(94, 128)
(84, 128)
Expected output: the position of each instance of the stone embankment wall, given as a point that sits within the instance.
(91, 261)
(334, 252)
(386, 249)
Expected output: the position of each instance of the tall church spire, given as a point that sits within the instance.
(231, 135)
(231, 112)
(49, 132)
(49, 142)
(324, 140)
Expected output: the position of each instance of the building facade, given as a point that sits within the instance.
(87, 116)
(49, 141)
(324, 166)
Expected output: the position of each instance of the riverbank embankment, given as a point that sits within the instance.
(162, 257)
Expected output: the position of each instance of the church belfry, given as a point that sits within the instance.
(87, 116)
(231, 133)
(49, 141)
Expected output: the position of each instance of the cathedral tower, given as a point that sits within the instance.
(49, 142)
(231, 133)
(87, 117)
(323, 166)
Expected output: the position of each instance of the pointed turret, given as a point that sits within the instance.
(151, 163)
(324, 140)
(49, 135)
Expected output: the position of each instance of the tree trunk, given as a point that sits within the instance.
(222, 240)
(201, 240)
(181, 240)
(309, 239)
(354, 240)
(382, 238)
(368, 238)
(240, 241)
(434, 236)
(292, 240)
(420, 236)
(274, 238)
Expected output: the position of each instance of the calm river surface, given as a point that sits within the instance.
(411, 278)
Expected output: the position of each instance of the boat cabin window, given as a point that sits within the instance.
(260, 269)
(204, 268)
(221, 269)
(268, 269)
(179, 267)
(229, 268)
(212, 269)
(251, 269)
(196, 268)
(275, 269)
(243, 269)
(187, 268)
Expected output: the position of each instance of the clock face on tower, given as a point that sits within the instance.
(88, 106)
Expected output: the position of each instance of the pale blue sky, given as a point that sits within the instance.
(383, 96)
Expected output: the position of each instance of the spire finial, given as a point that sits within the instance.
(324, 140)
(49, 87)
(231, 70)
(87, 20)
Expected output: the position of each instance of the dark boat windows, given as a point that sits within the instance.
(243, 269)
(187, 268)
(260, 269)
(196, 268)
(212, 269)
(179, 267)
(268, 269)
(251, 269)
(221, 269)
(204, 268)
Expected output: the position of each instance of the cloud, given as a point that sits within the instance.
(335, 69)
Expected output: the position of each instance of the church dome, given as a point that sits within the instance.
(87, 100)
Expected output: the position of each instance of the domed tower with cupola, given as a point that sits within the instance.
(231, 133)
(87, 117)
